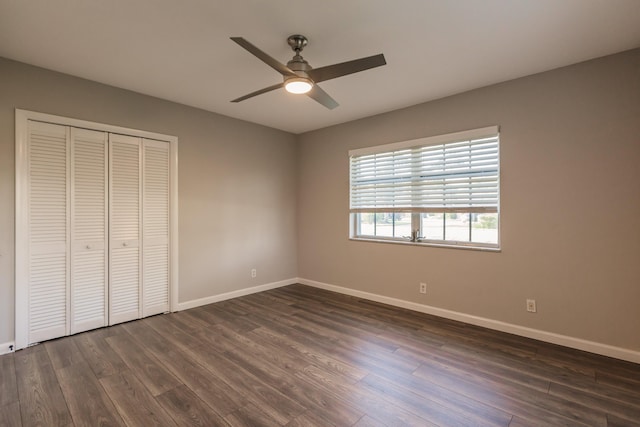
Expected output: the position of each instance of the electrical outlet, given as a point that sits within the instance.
(531, 306)
(254, 273)
(423, 288)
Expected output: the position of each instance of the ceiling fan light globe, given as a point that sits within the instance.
(298, 85)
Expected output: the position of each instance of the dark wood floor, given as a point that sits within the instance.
(300, 356)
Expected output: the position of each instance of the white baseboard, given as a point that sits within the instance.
(7, 347)
(234, 294)
(564, 340)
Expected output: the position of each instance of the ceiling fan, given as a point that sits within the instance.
(300, 77)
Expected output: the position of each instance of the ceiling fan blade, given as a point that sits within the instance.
(272, 62)
(344, 68)
(322, 97)
(259, 92)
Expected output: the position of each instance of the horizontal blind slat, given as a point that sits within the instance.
(454, 174)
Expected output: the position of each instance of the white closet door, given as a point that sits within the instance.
(96, 226)
(125, 230)
(88, 230)
(155, 223)
(48, 224)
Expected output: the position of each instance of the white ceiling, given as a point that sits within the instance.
(180, 50)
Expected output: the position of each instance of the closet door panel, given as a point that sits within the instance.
(155, 222)
(48, 223)
(125, 230)
(94, 220)
(88, 230)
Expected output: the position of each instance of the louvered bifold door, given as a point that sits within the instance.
(125, 229)
(88, 230)
(155, 227)
(48, 224)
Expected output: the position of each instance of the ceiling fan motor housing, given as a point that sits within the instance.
(298, 64)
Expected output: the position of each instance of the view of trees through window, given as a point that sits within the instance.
(452, 227)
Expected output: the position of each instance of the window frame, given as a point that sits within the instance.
(416, 212)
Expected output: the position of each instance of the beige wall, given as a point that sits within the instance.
(237, 183)
(570, 205)
(570, 197)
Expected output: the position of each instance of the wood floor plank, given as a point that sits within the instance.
(188, 319)
(300, 391)
(309, 345)
(370, 358)
(166, 325)
(262, 348)
(615, 369)
(455, 402)
(8, 384)
(370, 403)
(523, 402)
(63, 352)
(531, 371)
(629, 384)
(232, 308)
(270, 303)
(348, 336)
(429, 409)
(521, 422)
(266, 398)
(388, 331)
(250, 415)
(187, 409)
(375, 362)
(480, 366)
(101, 357)
(242, 324)
(208, 314)
(133, 401)
(574, 358)
(215, 338)
(351, 333)
(314, 355)
(310, 419)
(184, 367)
(505, 343)
(146, 367)
(285, 294)
(614, 421)
(303, 356)
(534, 368)
(85, 397)
(613, 407)
(287, 360)
(10, 415)
(367, 421)
(41, 400)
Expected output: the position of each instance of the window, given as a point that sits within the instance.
(442, 190)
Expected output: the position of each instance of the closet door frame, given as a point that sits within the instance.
(22, 118)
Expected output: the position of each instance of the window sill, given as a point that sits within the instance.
(428, 244)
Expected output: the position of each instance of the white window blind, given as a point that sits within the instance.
(449, 173)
